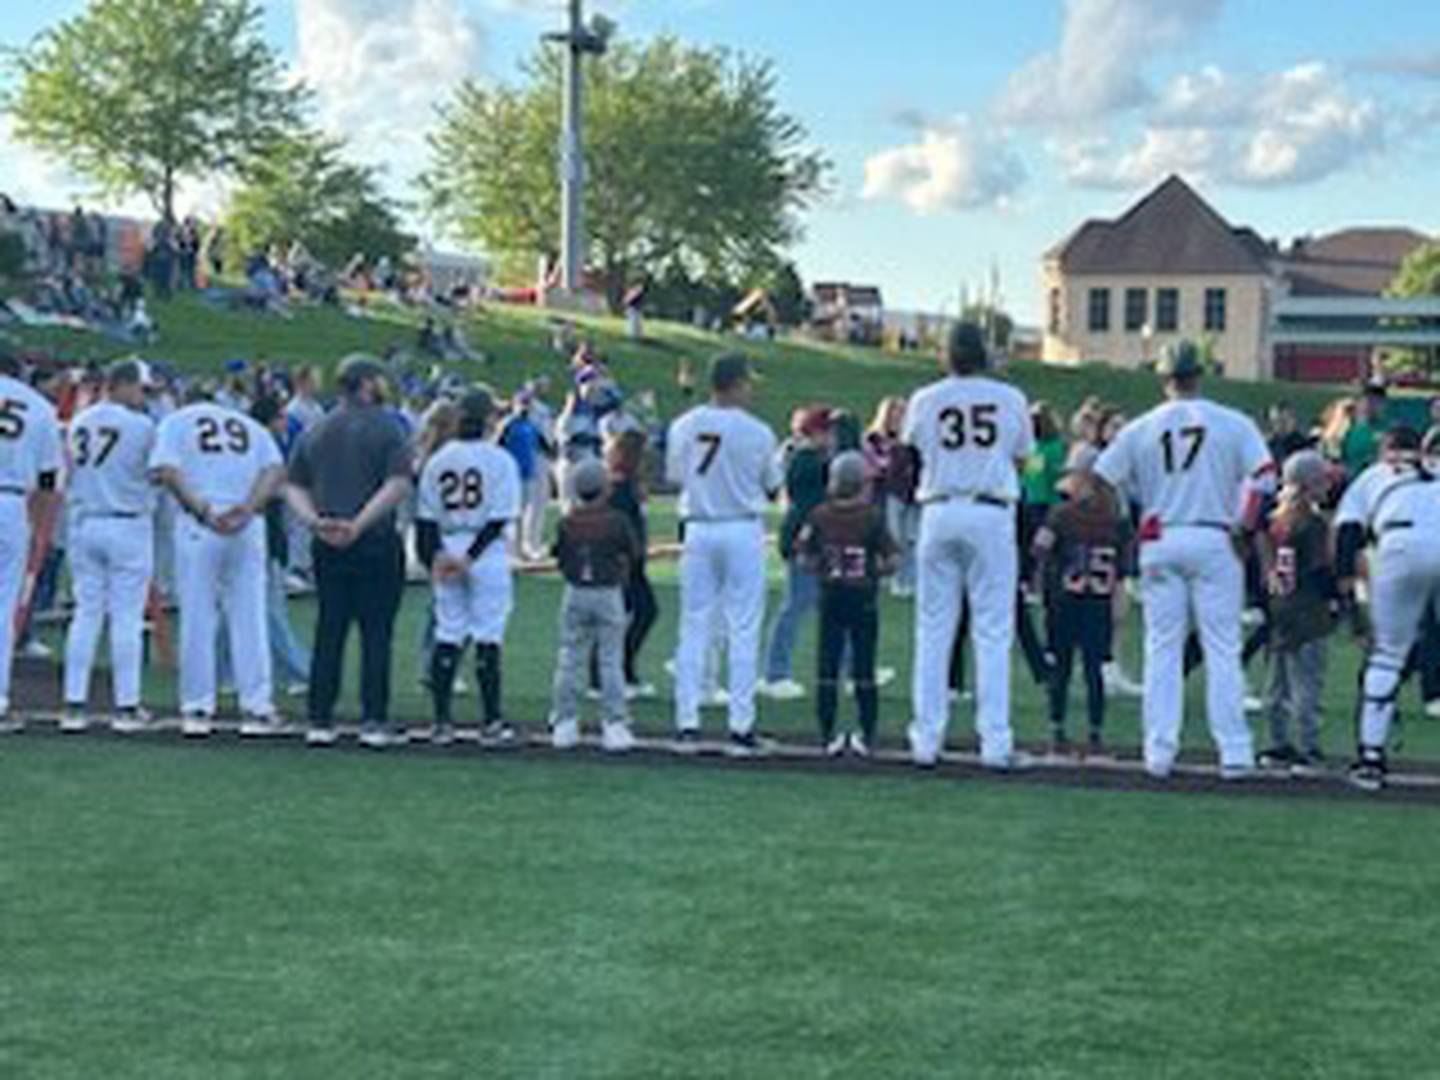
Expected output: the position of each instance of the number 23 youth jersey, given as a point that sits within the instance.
(466, 485)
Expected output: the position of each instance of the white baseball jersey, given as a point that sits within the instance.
(724, 462)
(30, 443)
(220, 453)
(110, 446)
(1392, 496)
(1187, 462)
(969, 432)
(466, 485)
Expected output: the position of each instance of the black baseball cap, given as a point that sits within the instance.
(356, 368)
(729, 370)
(1181, 361)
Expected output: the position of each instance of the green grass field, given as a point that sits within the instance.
(226, 910)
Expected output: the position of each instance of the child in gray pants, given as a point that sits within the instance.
(597, 549)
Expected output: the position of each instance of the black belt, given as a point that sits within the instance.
(8, 490)
(1221, 525)
(980, 500)
(118, 514)
(719, 520)
(1396, 526)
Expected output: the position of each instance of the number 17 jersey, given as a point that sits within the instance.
(1187, 462)
(464, 486)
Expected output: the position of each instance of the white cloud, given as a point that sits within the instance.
(1098, 67)
(1415, 63)
(1294, 127)
(949, 166)
(379, 68)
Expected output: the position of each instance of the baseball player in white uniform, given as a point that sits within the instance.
(469, 500)
(1187, 463)
(1395, 502)
(223, 469)
(30, 459)
(112, 544)
(970, 434)
(723, 460)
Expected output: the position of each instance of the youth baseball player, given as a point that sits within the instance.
(112, 545)
(223, 469)
(1199, 472)
(971, 433)
(30, 458)
(1396, 502)
(469, 500)
(723, 460)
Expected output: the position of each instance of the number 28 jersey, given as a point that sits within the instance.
(464, 486)
(219, 453)
(969, 432)
(1187, 462)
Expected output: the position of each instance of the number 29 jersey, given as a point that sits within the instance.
(1187, 462)
(219, 453)
(464, 486)
(969, 432)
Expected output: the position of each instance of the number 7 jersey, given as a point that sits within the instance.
(467, 484)
(1187, 462)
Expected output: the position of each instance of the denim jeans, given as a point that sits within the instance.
(291, 659)
(802, 595)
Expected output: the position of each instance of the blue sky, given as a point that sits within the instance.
(963, 135)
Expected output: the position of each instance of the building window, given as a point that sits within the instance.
(1215, 310)
(1099, 311)
(1137, 309)
(1167, 310)
(1055, 311)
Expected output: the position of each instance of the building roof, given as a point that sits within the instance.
(1352, 262)
(847, 294)
(1170, 231)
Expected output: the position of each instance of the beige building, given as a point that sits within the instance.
(1119, 291)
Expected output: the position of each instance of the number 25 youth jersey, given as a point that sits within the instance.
(110, 446)
(220, 453)
(1187, 462)
(466, 485)
(969, 431)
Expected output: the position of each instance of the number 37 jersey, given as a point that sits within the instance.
(110, 447)
(1187, 462)
(468, 484)
(969, 431)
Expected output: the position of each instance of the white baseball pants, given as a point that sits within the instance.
(1404, 584)
(965, 549)
(722, 564)
(476, 607)
(1193, 573)
(111, 560)
(14, 554)
(217, 574)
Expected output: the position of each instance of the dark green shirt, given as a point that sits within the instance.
(804, 490)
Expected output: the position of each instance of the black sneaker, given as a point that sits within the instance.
(748, 745)
(1368, 771)
(1308, 763)
(497, 733)
(1279, 758)
(1096, 750)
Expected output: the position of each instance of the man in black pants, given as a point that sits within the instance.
(347, 475)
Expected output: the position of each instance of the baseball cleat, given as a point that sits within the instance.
(1159, 770)
(1368, 771)
(74, 721)
(497, 733)
(617, 739)
(1015, 761)
(1279, 758)
(130, 720)
(197, 726)
(564, 735)
(686, 742)
(1242, 771)
(748, 745)
(11, 723)
(321, 737)
(257, 726)
(374, 738)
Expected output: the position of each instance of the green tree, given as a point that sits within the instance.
(135, 95)
(691, 164)
(1419, 275)
(787, 293)
(303, 189)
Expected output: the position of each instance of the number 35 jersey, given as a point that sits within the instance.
(1187, 462)
(969, 432)
(466, 485)
(29, 437)
(110, 447)
(218, 452)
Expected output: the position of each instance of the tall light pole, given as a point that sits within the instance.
(579, 41)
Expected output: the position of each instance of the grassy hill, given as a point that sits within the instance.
(198, 338)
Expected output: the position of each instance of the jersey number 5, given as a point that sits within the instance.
(711, 443)
(977, 426)
(12, 419)
(1178, 456)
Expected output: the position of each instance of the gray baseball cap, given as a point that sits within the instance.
(847, 474)
(588, 480)
(1304, 469)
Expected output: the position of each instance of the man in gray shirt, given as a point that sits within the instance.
(348, 474)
